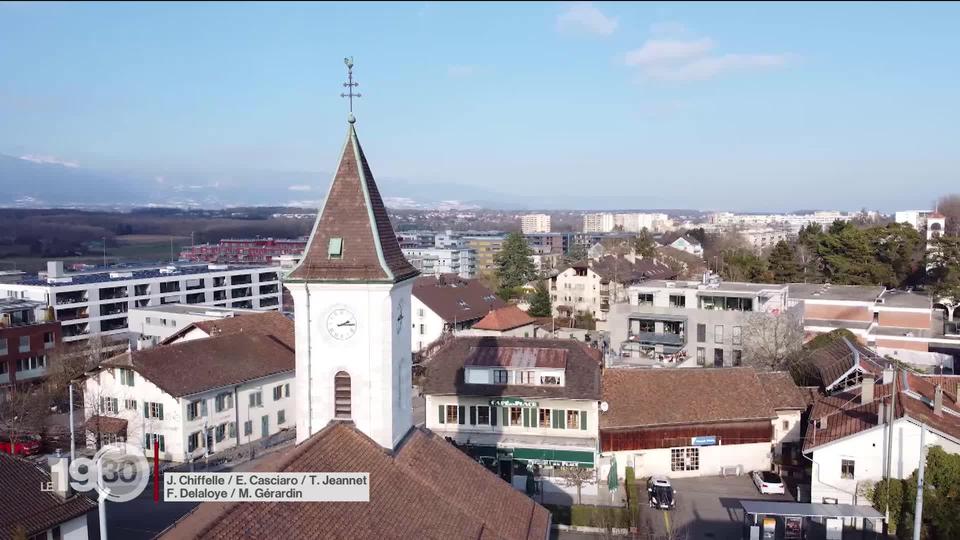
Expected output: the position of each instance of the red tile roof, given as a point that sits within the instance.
(455, 299)
(656, 397)
(443, 373)
(354, 213)
(782, 391)
(106, 424)
(517, 357)
(23, 504)
(505, 318)
(413, 495)
(198, 365)
(271, 323)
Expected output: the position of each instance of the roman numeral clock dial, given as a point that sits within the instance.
(341, 324)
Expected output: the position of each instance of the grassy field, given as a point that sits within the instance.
(130, 248)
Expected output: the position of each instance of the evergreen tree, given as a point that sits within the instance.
(540, 305)
(783, 264)
(944, 275)
(514, 267)
(644, 244)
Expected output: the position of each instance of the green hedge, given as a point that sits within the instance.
(583, 515)
(630, 484)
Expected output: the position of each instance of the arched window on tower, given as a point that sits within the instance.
(341, 395)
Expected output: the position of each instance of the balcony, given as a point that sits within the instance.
(243, 279)
(110, 325)
(113, 309)
(113, 293)
(268, 276)
(194, 284)
(219, 295)
(241, 293)
(70, 314)
(269, 302)
(141, 290)
(196, 298)
(76, 330)
(245, 304)
(219, 281)
(169, 287)
(269, 289)
(73, 297)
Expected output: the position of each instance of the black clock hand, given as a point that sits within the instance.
(345, 323)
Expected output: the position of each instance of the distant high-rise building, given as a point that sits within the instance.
(535, 223)
(633, 222)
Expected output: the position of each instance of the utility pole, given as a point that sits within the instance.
(72, 440)
(918, 512)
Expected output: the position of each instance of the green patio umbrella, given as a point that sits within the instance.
(612, 481)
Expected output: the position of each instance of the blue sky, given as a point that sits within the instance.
(741, 106)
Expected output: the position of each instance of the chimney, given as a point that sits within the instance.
(866, 390)
(888, 375)
(881, 417)
(938, 401)
(59, 475)
(54, 269)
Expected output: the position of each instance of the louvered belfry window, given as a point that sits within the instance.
(341, 395)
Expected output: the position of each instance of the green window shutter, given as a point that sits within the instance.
(146, 440)
(146, 409)
(583, 420)
(526, 417)
(535, 417)
(159, 411)
(506, 416)
(493, 416)
(461, 414)
(162, 444)
(562, 418)
(441, 414)
(473, 415)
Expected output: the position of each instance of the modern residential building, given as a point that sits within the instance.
(150, 326)
(417, 239)
(97, 302)
(871, 429)
(693, 323)
(629, 222)
(513, 403)
(688, 244)
(793, 222)
(535, 223)
(27, 511)
(590, 239)
(594, 285)
(486, 248)
(545, 262)
(683, 423)
(550, 242)
(915, 218)
(27, 336)
(196, 395)
(352, 298)
(762, 238)
(263, 251)
(447, 240)
(903, 324)
(436, 261)
(446, 303)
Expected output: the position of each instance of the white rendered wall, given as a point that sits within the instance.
(75, 529)
(751, 457)
(432, 325)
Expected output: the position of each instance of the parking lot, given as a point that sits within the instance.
(707, 508)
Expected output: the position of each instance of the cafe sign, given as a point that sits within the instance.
(513, 402)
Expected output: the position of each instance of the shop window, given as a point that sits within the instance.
(684, 459)
(483, 415)
(544, 418)
(516, 416)
(573, 419)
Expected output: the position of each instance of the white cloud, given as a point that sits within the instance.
(660, 51)
(694, 60)
(583, 17)
(300, 187)
(51, 160)
(460, 71)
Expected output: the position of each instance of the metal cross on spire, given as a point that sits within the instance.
(350, 85)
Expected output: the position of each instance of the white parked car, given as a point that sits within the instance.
(768, 482)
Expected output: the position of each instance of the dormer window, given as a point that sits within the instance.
(549, 379)
(335, 248)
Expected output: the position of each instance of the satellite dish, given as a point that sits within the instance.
(604, 406)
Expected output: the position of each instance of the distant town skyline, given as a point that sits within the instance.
(759, 107)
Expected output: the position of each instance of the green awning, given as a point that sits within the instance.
(546, 455)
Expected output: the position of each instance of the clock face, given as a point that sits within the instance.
(341, 324)
(399, 316)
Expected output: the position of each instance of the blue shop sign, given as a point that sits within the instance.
(706, 440)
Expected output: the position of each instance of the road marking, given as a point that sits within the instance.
(666, 521)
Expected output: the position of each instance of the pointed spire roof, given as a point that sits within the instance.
(352, 239)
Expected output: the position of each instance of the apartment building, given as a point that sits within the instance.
(197, 395)
(628, 222)
(763, 238)
(97, 302)
(150, 326)
(793, 222)
(555, 242)
(513, 403)
(486, 249)
(535, 223)
(27, 335)
(437, 261)
(594, 285)
(692, 323)
(244, 250)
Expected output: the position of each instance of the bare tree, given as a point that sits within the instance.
(773, 342)
(23, 412)
(577, 477)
